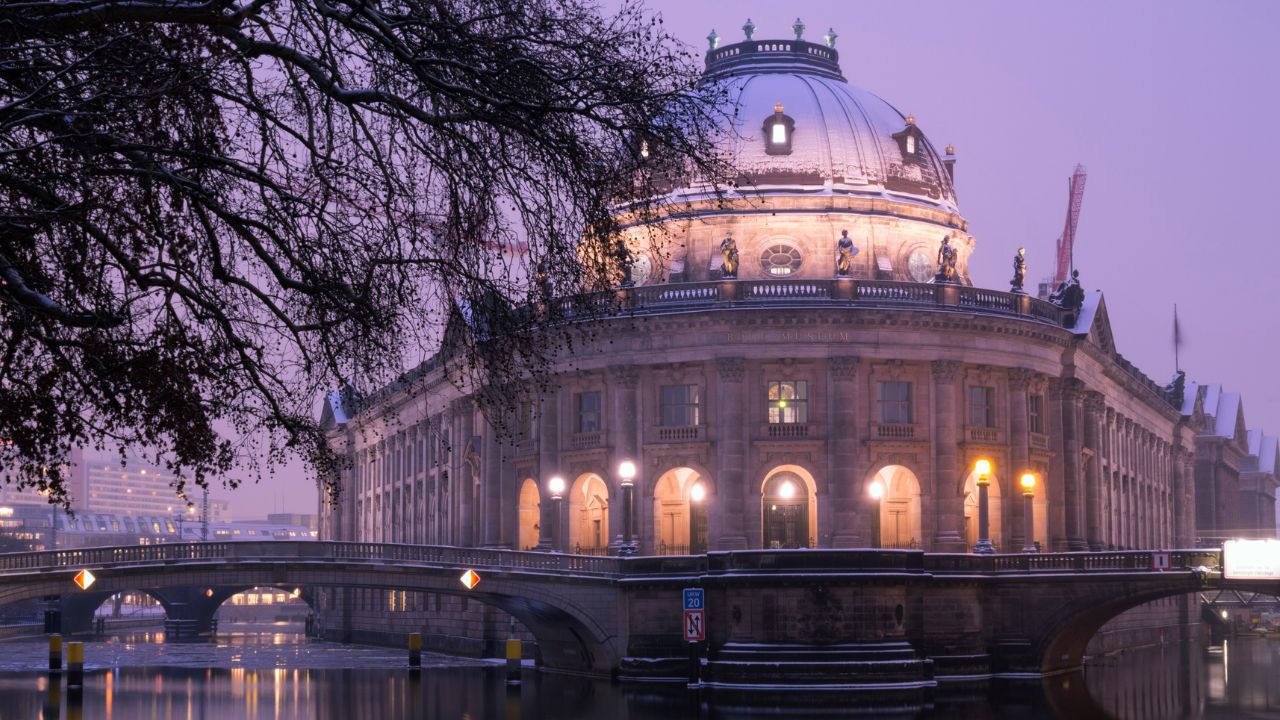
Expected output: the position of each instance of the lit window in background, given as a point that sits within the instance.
(779, 134)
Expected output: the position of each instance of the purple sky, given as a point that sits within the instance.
(1161, 101)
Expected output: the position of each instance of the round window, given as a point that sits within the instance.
(780, 260)
(920, 266)
(641, 269)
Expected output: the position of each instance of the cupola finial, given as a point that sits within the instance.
(713, 40)
(798, 27)
(749, 28)
(830, 37)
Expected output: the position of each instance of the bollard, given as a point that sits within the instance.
(75, 664)
(55, 653)
(515, 654)
(415, 650)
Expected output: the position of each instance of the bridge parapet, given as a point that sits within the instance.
(248, 551)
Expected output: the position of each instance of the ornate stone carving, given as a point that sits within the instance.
(1094, 402)
(944, 371)
(1020, 378)
(626, 376)
(729, 257)
(731, 369)
(1019, 271)
(843, 368)
(845, 250)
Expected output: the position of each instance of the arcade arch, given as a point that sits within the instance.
(788, 509)
(680, 513)
(530, 514)
(589, 514)
(899, 507)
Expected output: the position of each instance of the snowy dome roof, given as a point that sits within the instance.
(832, 134)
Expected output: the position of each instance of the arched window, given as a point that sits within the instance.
(778, 130)
(780, 260)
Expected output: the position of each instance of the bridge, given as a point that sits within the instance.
(802, 617)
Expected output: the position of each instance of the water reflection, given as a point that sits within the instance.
(278, 682)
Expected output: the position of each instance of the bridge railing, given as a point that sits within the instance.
(308, 551)
(1132, 560)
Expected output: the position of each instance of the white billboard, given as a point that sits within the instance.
(1251, 560)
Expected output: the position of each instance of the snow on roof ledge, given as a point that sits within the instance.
(337, 407)
(1088, 311)
(1189, 399)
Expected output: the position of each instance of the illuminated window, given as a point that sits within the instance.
(778, 130)
(788, 401)
(779, 134)
(780, 260)
(911, 144)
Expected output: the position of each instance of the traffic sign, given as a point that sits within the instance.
(695, 629)
(470, 579)
(694, 599)
(1160, 561)
(84, 579)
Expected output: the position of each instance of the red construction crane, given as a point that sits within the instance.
(1075, 196)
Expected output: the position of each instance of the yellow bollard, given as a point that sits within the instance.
(55, 653)
(514, 654)
(415, 650)
(75, 664)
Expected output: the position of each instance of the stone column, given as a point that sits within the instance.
(1019, 455)
(1109, 520)
(728, 510)
(548, 465)
(491, 483)
(947, 474)
(1073, 476)
(464, 512)
(848, 495)
(624, 439)
(1094, 404)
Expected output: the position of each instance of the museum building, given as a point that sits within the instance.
(810, 367)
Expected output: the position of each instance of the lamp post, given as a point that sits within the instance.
(556, 487)
(983, 546)
(627, 472)
(1028, 483)
(876, 491)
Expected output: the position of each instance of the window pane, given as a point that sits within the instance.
(588, 412)
(679, 405)
(894, 400)
(788, 401)
(779, 133)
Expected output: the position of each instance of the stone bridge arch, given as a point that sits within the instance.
(573, 617)
(1068, 627)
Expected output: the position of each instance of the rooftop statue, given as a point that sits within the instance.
(729, 253)
(845, 250)
(946, 262)
(1069, 294)
(1019, 271)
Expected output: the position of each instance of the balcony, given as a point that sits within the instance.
(682, 434)
(893, 431)
(844, 292)
(787, 431)
(586, 440)
(1039, 441)
(981, 434)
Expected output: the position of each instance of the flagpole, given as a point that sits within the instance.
(1177, 340)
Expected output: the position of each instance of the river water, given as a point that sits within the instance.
(272, 674)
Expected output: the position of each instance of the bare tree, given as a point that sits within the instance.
(212, 211)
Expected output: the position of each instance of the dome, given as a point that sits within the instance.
(838, 136)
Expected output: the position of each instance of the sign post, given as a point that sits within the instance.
(695, 630)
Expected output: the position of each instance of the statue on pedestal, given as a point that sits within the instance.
(1019, 271)
(729, 254)
(1069, 295)
(845, 250)
(946, 262)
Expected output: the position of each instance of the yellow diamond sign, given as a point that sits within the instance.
(470, 579)
(84, 579)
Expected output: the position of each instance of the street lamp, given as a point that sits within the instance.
(556, 486)
(983, 546)
(1028, 483)
(627, 471)
(876, 491)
